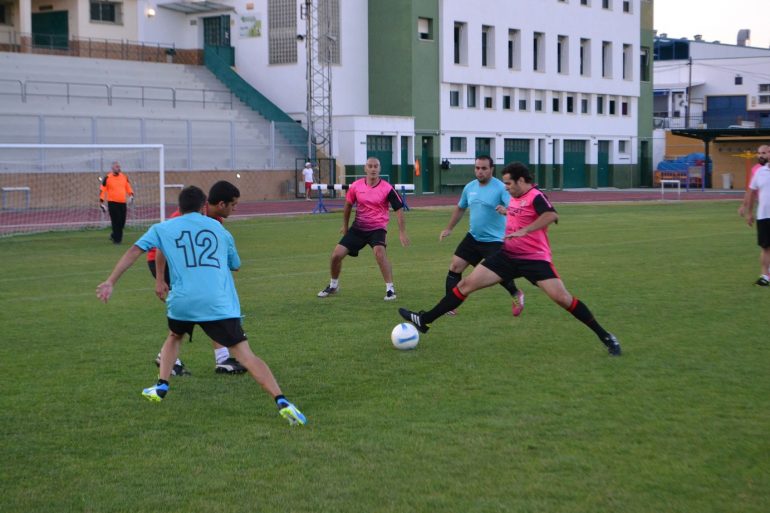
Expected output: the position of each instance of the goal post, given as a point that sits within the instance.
(46, 187)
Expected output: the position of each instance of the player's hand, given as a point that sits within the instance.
(103, 207)
(515, 235)
(750, 219)
(405, 242)
(501, 210)
(131, 200)
(104, 291)
(161, 290)
(742, 210)
(444, 234)
(344, 230)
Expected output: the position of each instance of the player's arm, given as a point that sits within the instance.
(346, 217)
(745, 203)
(541, 222)
(749, 211)
(457, 214)
(403, 237)
(104, 289)
(161, 287)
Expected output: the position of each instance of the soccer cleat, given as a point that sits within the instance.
(390, 295)
(177, 370)
(415, 318)
(155, 393)
(230, 366)
(518, 303)
(452, 313)
(328, 291)
(613, 346)
(762, 282)
(290, 412)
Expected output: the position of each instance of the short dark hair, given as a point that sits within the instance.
(517, 170)
(191, 199)
(487, 158)
(223, 191)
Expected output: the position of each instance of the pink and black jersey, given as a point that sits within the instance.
(372, 204)
(523, 211)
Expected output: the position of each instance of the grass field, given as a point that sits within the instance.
(489, 413)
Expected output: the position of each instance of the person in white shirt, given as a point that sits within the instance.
(307, 174)
(759, 192)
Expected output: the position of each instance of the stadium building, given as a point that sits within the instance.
(425, 85)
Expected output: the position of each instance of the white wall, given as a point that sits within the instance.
(350, 135)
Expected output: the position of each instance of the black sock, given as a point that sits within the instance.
(510, 287)
(584, 315)
(280, 398)
(452, 300)
(452, 279)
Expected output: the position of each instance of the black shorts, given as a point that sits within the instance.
(356, 239)
(473, 251)
(225, 332)
(510, 268)
(763, 233)
(151, 265)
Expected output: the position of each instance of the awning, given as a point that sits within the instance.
(196, 7)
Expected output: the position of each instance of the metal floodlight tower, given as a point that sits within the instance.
(319, 45)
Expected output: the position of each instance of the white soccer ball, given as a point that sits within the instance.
(405, 336)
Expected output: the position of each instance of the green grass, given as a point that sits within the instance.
(489, 413)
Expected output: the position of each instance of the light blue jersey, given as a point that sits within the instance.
(201, 255)
(486, 225)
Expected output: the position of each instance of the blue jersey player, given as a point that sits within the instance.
(201, 254)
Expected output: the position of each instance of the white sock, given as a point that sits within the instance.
(334, 283)
(389, 286)
(221, 354)
(766, 277)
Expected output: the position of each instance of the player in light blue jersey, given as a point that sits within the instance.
(201, 254)
(488, 200)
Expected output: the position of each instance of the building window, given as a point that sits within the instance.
(107, 12)
(555, 104)
(644, 64)
(627, 58)
(537, 101)
(538, 50)
(460, 43)
(624, 107)
(612, 108)
(570, 104)
(487, 46)
(585, 57)
(458, 144)
(507, 102)
(4, 14)
(584, 2)
(738, 80)
(606, 59)
(425, 29)
(562, 55)
(489, 102)
(454, 98)
(606, 4)
(514, 49)
(282, 31)
(584, 105)
(623, 147)
(764, 99)
(627, 6)
(600, 104)
(764, 88)
(472, 94)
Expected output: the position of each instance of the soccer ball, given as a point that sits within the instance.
(404, 336)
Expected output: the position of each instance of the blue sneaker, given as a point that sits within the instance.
(155, 393)
(290, 412)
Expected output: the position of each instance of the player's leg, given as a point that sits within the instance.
(554, 289)
(480, 278)
(121, 221)
(262, 374)
(487, 249)
(763, 241)
(335, 265)
(386, 269)
(113, 210)
(179, 368)
(168, 355)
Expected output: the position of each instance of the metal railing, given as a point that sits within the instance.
(116, 93)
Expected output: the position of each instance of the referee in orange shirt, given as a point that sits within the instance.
(116, 190)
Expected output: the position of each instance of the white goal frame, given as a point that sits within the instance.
(13, 189)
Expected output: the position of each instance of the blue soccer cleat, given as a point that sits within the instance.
(155, 393)
(290, 412)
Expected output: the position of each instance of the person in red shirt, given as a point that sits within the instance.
(116, 190)
(222, 199)
(526, 252)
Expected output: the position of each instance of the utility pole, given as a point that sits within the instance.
(689, 89)
(319, 44)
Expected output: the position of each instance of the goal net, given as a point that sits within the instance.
(45, 187)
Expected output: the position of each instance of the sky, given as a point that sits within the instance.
(715, 20)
